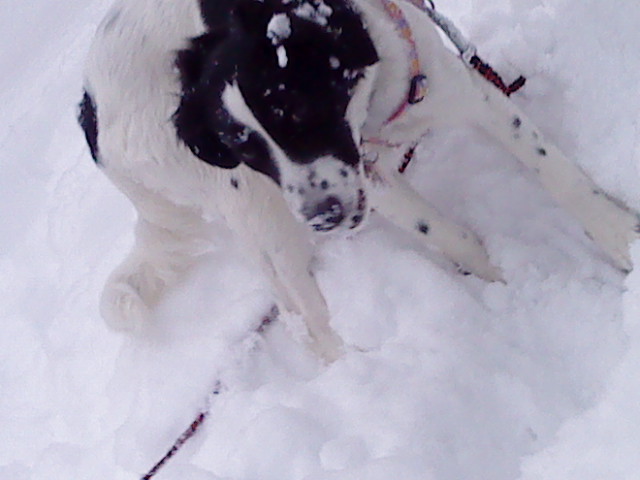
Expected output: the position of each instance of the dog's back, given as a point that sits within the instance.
(133, 85)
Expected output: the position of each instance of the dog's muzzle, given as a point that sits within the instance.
(332, 214)
(327, 194)
(326, 215)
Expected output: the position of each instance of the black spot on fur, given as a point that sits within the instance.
(423, 228)
(362, 200)
(542, 152)
(462, 271)
(88, 120)
(235, 184)
(517, 123)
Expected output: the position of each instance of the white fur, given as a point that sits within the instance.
(130, 75)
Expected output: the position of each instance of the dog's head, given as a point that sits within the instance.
(283, 86)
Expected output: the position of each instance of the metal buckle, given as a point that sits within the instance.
(418, 89)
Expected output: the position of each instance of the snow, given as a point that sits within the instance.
(283, 59)
(447, 377)
(314, 10)
(279, 28)
(602, 442)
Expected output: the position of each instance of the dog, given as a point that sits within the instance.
(287, 119)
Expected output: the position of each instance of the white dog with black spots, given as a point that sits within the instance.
(286, 119)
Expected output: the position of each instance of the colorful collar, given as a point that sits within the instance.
(418, 84)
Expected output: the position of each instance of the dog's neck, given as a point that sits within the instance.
(399, 80)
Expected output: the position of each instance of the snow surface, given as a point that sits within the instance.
(448, 378)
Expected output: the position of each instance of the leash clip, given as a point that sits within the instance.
(468, 54)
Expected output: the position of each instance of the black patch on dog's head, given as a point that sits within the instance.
(201, 120)
(88, 120)
(301, 103)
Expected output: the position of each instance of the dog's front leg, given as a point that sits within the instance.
(606, 220)
(297, 292)
(392, 197)
(282, 247)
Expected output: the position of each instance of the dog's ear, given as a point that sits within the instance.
(358, 51)
(214, 137)
(194, 127)
(191, 62)
(354, 40)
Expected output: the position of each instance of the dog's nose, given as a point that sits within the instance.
(326, 215)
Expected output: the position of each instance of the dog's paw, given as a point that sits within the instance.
(483, 269)
(470, 257)
(613, 227)
(122, 308)
(328, 346)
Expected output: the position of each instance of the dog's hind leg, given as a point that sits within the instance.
(168, 238)
(605, 220)
(392, 197)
